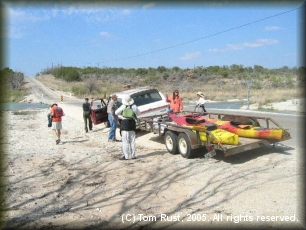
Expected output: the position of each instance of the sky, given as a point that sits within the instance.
(145, 34)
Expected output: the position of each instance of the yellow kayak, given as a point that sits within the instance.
(222, 136)
(251, 131)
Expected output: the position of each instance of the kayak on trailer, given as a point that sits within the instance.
(189, 119)
(250, 130)
(241, 129)
(221, 136)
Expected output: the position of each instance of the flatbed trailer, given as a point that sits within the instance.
(184, 139)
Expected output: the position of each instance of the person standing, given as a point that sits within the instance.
(86, 115)
(112, 118)
(128, 127)
(56, 113)
(201, 102)
(176, 102)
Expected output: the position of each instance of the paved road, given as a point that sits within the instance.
(50, 95)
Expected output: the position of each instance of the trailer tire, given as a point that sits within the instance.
(184, 146)
(171, 142)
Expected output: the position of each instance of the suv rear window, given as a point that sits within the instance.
(148, 97)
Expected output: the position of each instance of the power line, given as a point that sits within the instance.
(208, 36)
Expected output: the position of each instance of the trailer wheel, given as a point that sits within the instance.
(184, 145)
(171, 142)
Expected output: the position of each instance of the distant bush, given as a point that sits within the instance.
(68, 74)
(161, 69)
(79, 90)
(224, 73)
(256, 85)
(15, 95)
(141, 71)
(12, 78)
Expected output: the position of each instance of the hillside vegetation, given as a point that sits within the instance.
(12, 86)
(217, 83)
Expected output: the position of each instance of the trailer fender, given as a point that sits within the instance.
(195, 141)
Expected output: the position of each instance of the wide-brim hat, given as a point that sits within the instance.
(127, 100)
(200, 94)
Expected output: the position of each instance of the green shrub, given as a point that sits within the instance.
(79, 90)
(72, 75)
(224, 73)
(141, 71)
(15, 95)
(68, 74)
(256, 85)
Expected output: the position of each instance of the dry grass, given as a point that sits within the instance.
(226, 91)
(56, 84)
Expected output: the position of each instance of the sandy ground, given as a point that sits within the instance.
(80, 183)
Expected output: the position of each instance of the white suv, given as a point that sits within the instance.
(149, 101)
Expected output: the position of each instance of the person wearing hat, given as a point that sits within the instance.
(112, 118)
(86, 115)
(200, 107)
(176, 102)
(128, 112)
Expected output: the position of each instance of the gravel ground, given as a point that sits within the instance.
(80, 183)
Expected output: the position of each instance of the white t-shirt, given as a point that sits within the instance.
(201, 101)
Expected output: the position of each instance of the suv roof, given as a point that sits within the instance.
(135, 91)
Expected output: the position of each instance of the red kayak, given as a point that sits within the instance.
(242, 130)
(198, 123)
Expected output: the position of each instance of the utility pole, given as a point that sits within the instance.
(249, 83)
(193, 63)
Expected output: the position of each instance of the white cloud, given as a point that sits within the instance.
(18, 21)
(16, 16)
(190, 56)
(106, 35)
(148, 5)
(257, 43)
(14, 31)
(97, 16)
(273, 28)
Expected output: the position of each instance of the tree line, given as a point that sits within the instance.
(94, 80)
(163, 73)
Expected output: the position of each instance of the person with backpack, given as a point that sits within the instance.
(86, 115)
(128, 113)
(56, 113)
